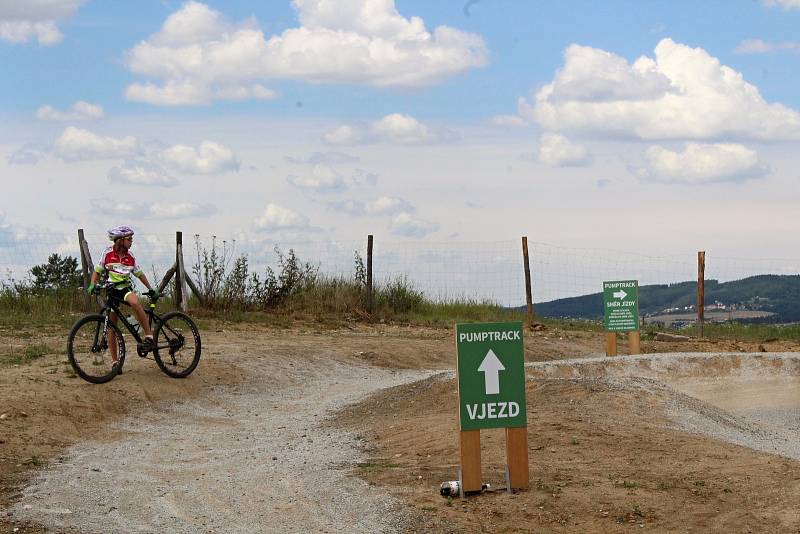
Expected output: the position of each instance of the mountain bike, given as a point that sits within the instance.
(176, 349)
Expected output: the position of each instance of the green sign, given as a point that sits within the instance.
(491, 375)
(621, 306)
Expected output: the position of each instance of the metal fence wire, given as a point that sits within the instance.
(479, 271)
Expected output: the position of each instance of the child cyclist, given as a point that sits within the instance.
(119, 264)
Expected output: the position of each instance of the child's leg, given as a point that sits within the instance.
(132, 299)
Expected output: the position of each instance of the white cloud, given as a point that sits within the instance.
(380, 206)
(208, 158)
(557, 151)
(323, 179)
(593, 75)
(757, 46)
(405, 225)
(28, 154)
(22, 31)
(509, 120)
(702, 163)
(395, 128)
(326, 158)
(77, 144)
(362, 177)
(194, 93)
(279, 218)
(80, 111)
(22, 21)
(159, 210)
(345, 135)
(180, 210)
(785, 4)
(683, 93)
(403, 129)
(198, 56)
(38, 9)
(350, 207)
(141, 172)
(389, 206)
(114, 207)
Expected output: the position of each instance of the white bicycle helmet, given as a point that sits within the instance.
(119, 232)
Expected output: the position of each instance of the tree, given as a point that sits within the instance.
(57, 273)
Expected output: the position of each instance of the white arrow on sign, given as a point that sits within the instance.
(620, 294)
(491, 367)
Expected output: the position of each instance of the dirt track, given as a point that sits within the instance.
(605, 452)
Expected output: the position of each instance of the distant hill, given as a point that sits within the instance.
(778, 294)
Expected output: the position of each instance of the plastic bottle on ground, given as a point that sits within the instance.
(450, 488)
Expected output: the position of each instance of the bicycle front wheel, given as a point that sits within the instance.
(177, 350)
(89, 352)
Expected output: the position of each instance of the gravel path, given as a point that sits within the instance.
(253, 459)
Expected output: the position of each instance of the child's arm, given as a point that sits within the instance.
(141, 276)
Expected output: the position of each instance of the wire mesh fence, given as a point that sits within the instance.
(477, 271)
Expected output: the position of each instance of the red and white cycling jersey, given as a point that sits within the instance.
(119, 267)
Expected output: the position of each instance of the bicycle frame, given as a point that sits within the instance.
(111, 305)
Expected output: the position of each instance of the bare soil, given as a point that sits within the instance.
(603, 456)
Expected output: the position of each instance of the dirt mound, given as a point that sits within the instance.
(608, 447)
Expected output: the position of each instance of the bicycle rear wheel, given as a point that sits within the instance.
(88, 351)
(177, 350)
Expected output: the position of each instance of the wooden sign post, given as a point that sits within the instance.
(491, 394)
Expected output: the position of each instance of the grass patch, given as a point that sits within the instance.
(553, 489)
(26, 355)
(377, 466)
(734, 330)
(752, 332)
(21, 309)
(444, 314)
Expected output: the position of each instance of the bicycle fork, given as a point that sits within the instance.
(96, 346)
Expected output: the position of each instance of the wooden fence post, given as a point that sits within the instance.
(87, 266)
(167, 277)
(369, 274)
(528, 292)
(195, 290)
(84, 270)
(181, 295)
(701, 290)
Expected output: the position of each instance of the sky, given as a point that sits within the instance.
(650, 127)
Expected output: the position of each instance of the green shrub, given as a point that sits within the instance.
(399, 296)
